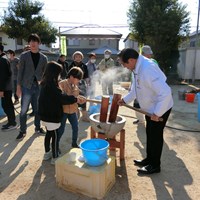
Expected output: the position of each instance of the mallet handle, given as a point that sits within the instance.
(93, 101)
(141, 111)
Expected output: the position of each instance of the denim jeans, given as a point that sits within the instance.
(73, 120)
(27, 96)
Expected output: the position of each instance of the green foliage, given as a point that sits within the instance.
(161, 24)
(23, 18)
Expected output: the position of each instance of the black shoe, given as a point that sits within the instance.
(149, 169)
(136, 121)
(5, 125)
(142, 163)
(40, 131)
(21, 135)
(9, 127)
(75, 145)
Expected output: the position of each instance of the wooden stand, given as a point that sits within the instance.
(112, 141)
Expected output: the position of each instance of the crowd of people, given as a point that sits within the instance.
(25, 79)
(58, 90)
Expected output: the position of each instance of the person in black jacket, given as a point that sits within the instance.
(83, 84)
(62, 61)
(6, 91)
(50, 109)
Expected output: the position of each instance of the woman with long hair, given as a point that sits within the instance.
(51, 100)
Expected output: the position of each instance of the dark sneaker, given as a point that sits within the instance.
(47, 155)
(75, 145)
(21, 135)
(5, 125)
(16, 102)
(40, 131)
(136, 121)
(9, 127)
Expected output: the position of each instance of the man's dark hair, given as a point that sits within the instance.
(34, 37)
(1, 47)
(76, 72)
(11, 52)
(127, 53)
(62, 55)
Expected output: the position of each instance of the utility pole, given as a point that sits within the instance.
(196, 45)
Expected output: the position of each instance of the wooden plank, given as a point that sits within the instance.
(114, 108)
(104, 108)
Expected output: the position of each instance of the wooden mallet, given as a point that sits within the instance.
(141, 111)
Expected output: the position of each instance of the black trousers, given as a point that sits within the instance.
(8, 107)
(15, 89)
(154, 133)
(51, 137)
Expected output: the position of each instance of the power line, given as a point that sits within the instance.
(102, 26)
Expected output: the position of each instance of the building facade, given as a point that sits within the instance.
(88, 38)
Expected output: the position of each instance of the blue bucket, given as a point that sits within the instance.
(94, 151)
(198, 98)
(1, 110)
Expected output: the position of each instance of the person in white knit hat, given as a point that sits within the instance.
(83, 84)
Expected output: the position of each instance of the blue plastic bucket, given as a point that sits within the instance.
(1, 110)
(94, 151)
(198, 98)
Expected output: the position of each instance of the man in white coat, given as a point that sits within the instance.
(155, 97)
(147, 52)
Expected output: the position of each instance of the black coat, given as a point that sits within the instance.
(5, 74)
(82, 66)
(65, 68)
(50, 102)
(82, 83)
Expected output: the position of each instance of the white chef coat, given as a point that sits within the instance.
(149, 87)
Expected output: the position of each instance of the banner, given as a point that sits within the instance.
(63, 46)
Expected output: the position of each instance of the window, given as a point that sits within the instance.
(19, 41)
(73, 42)
(91, 42)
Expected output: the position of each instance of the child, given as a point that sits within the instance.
(50, 110)
(70, 87)
(83, 83)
